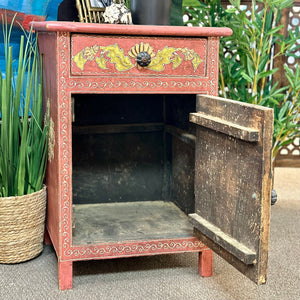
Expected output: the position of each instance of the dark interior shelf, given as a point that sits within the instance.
(184, 136)
(129, 221)
(118, 128)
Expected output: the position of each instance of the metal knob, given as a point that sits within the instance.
(143, 59)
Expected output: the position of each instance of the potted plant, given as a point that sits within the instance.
(247, 59)
(247, 71)
(23, 151)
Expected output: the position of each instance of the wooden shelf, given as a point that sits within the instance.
(129, 221)
(117, 128)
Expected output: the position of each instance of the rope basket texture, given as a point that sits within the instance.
(22, 224)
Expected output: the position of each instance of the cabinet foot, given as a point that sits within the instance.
(65, 274)
(205, 263)
(47, 239)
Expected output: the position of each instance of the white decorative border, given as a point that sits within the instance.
(136, 248)
(65, 142)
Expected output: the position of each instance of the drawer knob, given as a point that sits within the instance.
(143, 59)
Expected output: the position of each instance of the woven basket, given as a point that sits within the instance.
(22, 223)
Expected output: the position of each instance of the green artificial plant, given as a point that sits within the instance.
(247, 58)
(23, 127)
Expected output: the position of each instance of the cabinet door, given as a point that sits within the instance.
(233, 182)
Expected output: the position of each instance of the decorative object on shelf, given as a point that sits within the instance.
(100, 3)
(23, 152)
(88, 13)
(103, 11)
(117, 14)
(154, 12)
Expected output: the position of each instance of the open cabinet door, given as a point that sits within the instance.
(233, 182)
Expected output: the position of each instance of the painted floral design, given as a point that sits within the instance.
(124, 62)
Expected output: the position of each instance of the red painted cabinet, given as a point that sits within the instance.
(126, 166)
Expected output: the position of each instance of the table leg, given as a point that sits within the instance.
(65, 274)
(205, 263)
(47, 239)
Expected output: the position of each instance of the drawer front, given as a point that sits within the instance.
(117, 56)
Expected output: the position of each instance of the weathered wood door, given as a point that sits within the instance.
(233, 182)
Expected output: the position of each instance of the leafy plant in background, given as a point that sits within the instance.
(247, 59)
(23, 136)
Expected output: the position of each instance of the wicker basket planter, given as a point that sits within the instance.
(22, 223)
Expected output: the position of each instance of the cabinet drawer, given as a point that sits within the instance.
(102, 55)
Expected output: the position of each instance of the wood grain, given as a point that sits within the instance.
(233, 181)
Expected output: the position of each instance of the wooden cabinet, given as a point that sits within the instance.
(126, 166)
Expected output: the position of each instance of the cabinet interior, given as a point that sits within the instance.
(133, 167)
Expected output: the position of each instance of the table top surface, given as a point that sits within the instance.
(120, 29)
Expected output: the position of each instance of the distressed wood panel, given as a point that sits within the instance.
(233, 182)
(239, 250)
(229, 128)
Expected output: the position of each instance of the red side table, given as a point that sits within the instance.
(120, 59)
